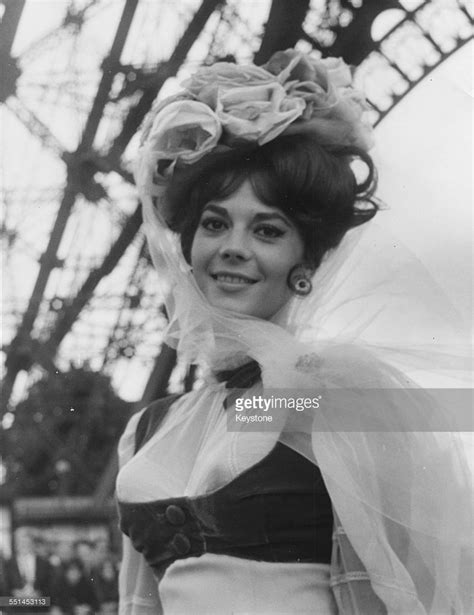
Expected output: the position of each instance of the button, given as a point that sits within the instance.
(181, 544)
(175, 515)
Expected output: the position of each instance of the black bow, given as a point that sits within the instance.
(243, 377)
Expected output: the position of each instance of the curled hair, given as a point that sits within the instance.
(313, 184)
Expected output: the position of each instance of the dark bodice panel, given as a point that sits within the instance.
(276, 511)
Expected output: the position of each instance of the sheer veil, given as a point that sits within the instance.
(382, 331)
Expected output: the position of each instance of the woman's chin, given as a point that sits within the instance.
(237, 307)
(234, 304)
(242, 308)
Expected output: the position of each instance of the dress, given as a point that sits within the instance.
(273, 572)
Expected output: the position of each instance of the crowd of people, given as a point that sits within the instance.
(80, 578)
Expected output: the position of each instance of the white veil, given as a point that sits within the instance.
(378, 326)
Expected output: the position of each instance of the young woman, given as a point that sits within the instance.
(327, 502)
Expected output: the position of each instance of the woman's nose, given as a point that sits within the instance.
(231, 254)
(235, 247)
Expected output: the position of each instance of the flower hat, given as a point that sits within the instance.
(227, 105)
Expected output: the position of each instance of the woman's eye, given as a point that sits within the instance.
(213, 224)
(269, 232)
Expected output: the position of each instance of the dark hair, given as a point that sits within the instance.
(313, 184)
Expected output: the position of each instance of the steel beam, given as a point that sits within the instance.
(283, 29)
(9, 25)
(9, 69)
(70, 313)
(110, 65)
(20, 354)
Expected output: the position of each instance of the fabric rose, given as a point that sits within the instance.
(257, 113)
(184, 130)
(250, 103)
(208, 82)
(291, 65)
(333, 108)
(304, 76)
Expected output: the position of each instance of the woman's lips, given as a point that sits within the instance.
(232, 281)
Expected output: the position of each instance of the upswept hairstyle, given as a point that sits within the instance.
(312, 183)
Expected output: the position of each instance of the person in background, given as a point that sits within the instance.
(3, 575)
(85, 551)
(29, 571)
(102, 551)
(106, 585)
(74, 593)
(61, 551)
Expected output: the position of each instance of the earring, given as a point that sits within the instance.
(299, 280)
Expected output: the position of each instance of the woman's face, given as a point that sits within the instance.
(242, 253)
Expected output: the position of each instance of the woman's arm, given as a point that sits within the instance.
(138, 588)
(138, 593)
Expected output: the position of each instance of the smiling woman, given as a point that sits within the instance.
(248, 189)
(264, 213)
(242, 254)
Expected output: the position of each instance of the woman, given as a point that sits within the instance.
(252, 169)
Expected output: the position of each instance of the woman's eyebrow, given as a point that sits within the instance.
(222, 211)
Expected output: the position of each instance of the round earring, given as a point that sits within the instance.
(299, 279)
